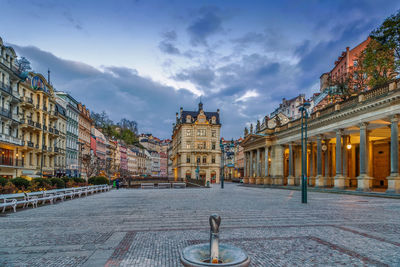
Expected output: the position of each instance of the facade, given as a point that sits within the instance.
(39, 126)
(351, 144)
(132, 162)
(124, 172)
(60, 164)
(12, 160)
(99, 147)
(85, 125)
(148, 162)
(112, 165)
(290, 107)
(346, 62)
(170, 173)
(155, 163)
(239, 160)
(72, 145)
(195, 145)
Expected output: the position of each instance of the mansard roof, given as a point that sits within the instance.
(194, 115)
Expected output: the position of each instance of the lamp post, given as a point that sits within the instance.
(304, 116)
(221, 145)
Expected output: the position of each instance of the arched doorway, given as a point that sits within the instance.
(213, 177)
(188, 175)
(202, 175)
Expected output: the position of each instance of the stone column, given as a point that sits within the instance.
(345, 162)
(319, 179)
(394, 178)
(278, 164)
(339, 178)
(251, 178)
(327, 158)
(246, 168)
(297, 165)
(311, 177)
(364, 182)
(267, 179)
(259, 179)
(291, 176)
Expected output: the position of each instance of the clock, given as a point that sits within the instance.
(324, 147)
(271, 123)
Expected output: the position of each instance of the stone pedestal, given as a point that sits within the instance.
(339, 182)
(259, 180)
(278, 180)
(320, 181)
(364, 183)
(311, 181)
(393, 184)
(297, 180)
(252, 180)
(245, 180)
(267, 180)
(290, 180)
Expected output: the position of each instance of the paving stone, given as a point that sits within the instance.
(151, 227)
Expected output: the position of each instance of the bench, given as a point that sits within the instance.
(9, 203)
(147, 186)
(164, 185)
(178, 185)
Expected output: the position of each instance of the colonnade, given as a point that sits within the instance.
(340, 159)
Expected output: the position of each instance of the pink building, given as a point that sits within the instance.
(124, 157)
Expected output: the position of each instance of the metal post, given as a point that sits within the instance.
(223, 170)
(304, 116)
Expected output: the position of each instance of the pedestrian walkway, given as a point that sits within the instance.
(131, 227)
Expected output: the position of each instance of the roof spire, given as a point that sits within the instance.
(200, 105)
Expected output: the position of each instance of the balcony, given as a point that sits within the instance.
(6, 88)
(38, 125)
(37, 106)
(10, 139)
(37, 146)
(44, 108)
(51, 130)
(14, 162)
(53, 115)
(50, 149)
(5, 112)
(30, 144)
(56, 131)
(27, 101)
(44, 128)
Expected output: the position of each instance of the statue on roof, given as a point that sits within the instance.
(246, 131)
(258, 126)
(251, 128)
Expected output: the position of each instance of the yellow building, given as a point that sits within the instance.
(195, 145)
(39, 122)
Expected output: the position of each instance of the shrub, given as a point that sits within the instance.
(59, 183)
(79, 180)
(42, 182)
(8, 188)
(98, 180)
(3, 181)
(65, 179)
(20, 182)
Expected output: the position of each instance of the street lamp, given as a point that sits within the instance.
(221, 145)
(304, 116)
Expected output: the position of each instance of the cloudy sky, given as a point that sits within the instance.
(143, 60)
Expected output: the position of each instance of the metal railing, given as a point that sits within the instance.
(11, 161)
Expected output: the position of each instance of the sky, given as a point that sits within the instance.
(144, 59)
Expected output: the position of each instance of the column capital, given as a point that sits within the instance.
(394, 118)
(339, 131)
(320, 137)
(363, 125)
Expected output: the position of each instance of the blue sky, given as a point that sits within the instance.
(143, 60)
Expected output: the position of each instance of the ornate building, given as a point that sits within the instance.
(85, 125)
(72, 145)
(11, 160)
(39, 125)
(351, 144)
(195, 145)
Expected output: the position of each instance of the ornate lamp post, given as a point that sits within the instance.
(304, 116)
(221, 145)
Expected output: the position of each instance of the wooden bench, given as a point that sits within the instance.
(147, 186)
(163, 185)
(178, 185)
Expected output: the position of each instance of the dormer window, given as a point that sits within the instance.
(188, 119)
(213, 120)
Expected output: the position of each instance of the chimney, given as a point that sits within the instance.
(218, 111)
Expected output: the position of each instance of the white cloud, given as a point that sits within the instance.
(249, 94)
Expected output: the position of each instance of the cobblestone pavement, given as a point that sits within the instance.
(150, 228)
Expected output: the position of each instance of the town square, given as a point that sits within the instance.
(199, 133)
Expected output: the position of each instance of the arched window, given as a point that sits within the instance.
(213, 120)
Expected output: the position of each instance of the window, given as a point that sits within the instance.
(213, 146)
(201, 132)
(187, 159)
(214, 120)
(188, 132)
(355, 63)
(204, 159)
(188, 119)
(213, 133)
(213, 159)
(198, 159)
